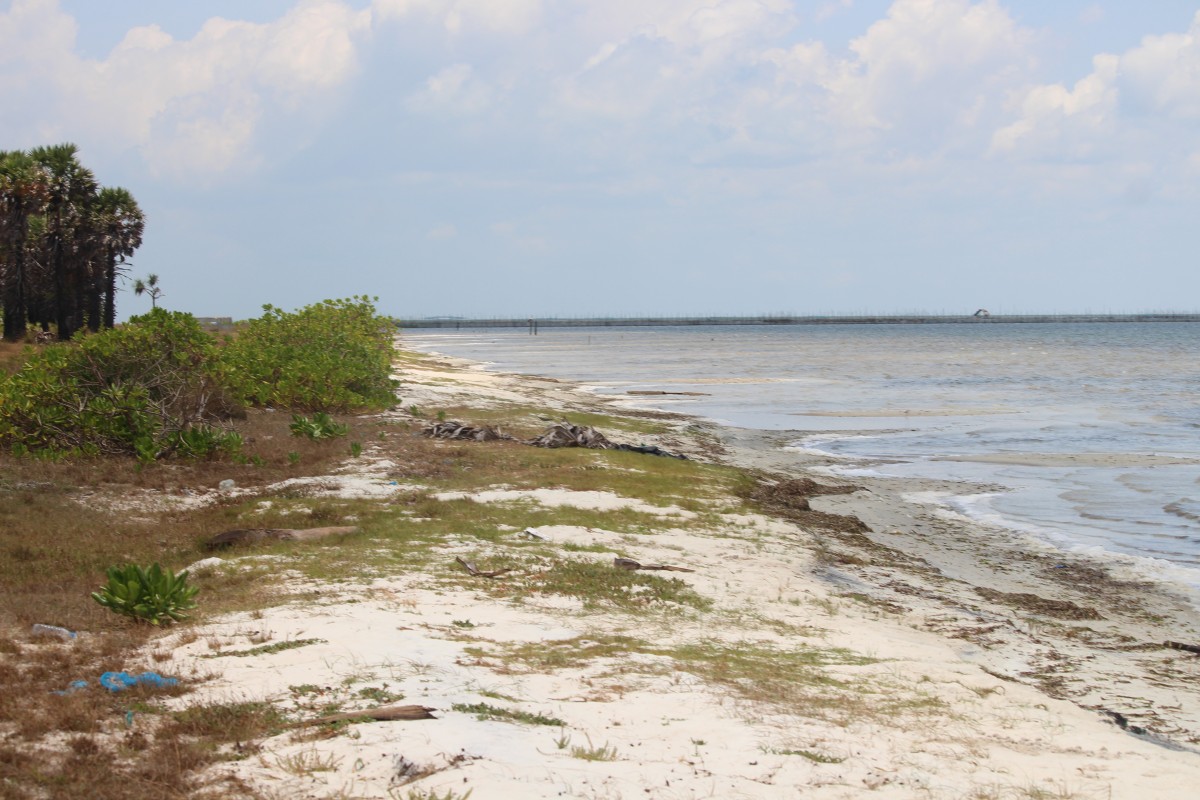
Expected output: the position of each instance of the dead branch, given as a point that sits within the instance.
(470, 567)
(631, 565)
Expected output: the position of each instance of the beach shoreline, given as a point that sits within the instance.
(999, 667)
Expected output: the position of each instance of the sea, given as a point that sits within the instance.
(1084, 435)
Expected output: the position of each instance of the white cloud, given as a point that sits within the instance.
(190, 106)
(1050, 112)
(458, 16)
(1162, 74)
(1143, 89)
(455, 89)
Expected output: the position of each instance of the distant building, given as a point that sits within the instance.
(215, 323)
(983, 312)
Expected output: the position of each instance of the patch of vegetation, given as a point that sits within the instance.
(332, 356)
(599, 584)
(266, 649)
(484, 711)
(150, 389)
(605, 752)
(816, 758)
(153, 594)
(318, 426)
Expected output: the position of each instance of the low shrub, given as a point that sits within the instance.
(332, 356)
(153, 595)
(148, 388)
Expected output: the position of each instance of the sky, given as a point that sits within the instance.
(632, 157)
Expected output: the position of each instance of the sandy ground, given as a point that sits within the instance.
(937, 659)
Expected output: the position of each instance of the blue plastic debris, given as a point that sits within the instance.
(120, 681)
(74, 687)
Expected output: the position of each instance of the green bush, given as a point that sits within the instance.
(153, 595)
(332, 356)
(320, 426)
(147, 389)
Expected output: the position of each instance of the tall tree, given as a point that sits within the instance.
(72, 190)
(63, 240)
(23, 195)
(118, 225)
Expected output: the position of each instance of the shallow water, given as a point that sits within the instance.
(1084, 434)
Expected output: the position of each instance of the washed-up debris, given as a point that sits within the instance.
(120, 681)
(532, 534)
(380, 714)
(564, 434)
(256, 535)
(1187, 648)
(53, 631)
(452, 429)
(470, 567)
(1122, 722)
(560, 434)
(631, 565)
(227, 485)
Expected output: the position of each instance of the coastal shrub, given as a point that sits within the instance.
(153, 594)
(148, 388)
(335, 355)
(319, 426)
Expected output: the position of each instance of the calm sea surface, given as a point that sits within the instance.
(1076, 431)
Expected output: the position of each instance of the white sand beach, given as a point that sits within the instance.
(926, 658)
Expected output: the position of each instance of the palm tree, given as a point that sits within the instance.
(72, 189)
(117, 225)
(23, 195)
(150, 287)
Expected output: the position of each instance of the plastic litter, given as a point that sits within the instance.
(74, 687)
(120, 681)
(227, 485)
(53, 630)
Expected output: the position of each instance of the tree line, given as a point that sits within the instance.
(64, 239)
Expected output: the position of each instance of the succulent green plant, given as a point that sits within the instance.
(153, 594)
(319, 426)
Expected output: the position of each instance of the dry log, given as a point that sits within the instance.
(631, 565)
(256, 535)
(381, 714)
(470, 567)
(1188, 648)
(451, 429)
(564, 434)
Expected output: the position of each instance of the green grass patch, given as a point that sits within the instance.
(266, 649)
(596, 584)
(484, 711)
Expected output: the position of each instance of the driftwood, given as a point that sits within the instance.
(564, 434)
(470, 567)
(631, 565)
(256, 535)
(381, 714)
(451, 429)
(1188, 648)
